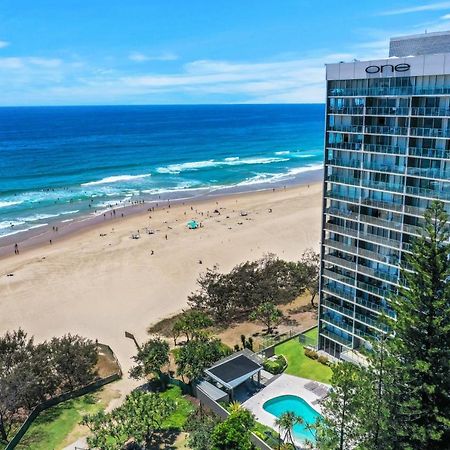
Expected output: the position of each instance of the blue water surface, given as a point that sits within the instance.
(284, 403)
(59, 162)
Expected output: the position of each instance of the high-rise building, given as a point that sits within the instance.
(387, 156)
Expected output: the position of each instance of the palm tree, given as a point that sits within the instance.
(286, 423)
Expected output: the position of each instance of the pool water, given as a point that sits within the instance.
(279, 405)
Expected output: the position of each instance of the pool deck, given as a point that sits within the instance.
(283, 385)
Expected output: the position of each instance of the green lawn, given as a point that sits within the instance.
(299, 364)
(50, 429)
(184, 408)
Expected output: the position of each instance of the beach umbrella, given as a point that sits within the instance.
(192, 224)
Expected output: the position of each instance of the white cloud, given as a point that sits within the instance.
(437, 6)
(4, 44)
(141, 57)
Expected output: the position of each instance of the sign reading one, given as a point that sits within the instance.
(403, 67)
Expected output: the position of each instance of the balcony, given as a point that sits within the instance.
(336, 337)
(427, 111)
(392, 260)
(338, 276)
(429, 193)
(377, 273)
(374, 307)
(371, 288)
(338, 196)
(332, 289)
(388, 168)
(386, 111)
(430, 132)
(346, 128)
(366, 320)
(390, 149)
(339, 162)
(387, 91)
(429, 153)
(340, 261)
(345, 213)
(337, 323)
(374, 129)
(344, 180)
(383, 185)
(381, 240)
(345, 145)
(398, 207)
(429, 173)
(341, 246)
(352, 110)
(364, 335)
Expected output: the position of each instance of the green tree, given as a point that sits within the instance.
(200, 425)
(196, 355)
(344, 410)
(15, 350)
(234, 432)
(140, 417)
(286, 423)
(268, 314)
(151, 358)
(309, 265)
(421, 340)
(74, 359)
(192, 324)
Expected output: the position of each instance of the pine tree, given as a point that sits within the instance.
(421, 340)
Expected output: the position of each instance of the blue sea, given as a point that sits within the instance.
(59, 163)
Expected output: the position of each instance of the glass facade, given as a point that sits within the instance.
(387, 156)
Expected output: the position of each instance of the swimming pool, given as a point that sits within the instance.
(279, 405)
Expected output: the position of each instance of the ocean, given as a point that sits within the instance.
(60, 163)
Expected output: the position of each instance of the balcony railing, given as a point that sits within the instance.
(389, 168)
(335, 337)
(345, 145)
(363, 334)
(337, 323)
(429, 111)
(391, 149)
(429, 193)
(374, 306)
(429, 153)
(398, 207)
(344, 180)
(341, 246)
(346, 128)
(429, 173)
(387, 111)
(387, 91)
(332, 289)
(353, 110)
(338, 276)
(371, 322)
(377, 273)
(392, 260)
(373, 289)
(338, 196)
(430, 132)
(340, 261)
(353, 163)
(375, 129)
(382, 185)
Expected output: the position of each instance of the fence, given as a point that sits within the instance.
(91, 387)
(222, 413)
(269, 351)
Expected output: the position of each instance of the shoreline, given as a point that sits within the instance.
(45, 235)
(99, 282)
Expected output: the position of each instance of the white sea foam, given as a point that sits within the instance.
(10, 224)
(116, 179)
(276, 177)
(36, 217)
(70, 212)
(231, 161)
(286, 152)
(7, 203)
(24, 229)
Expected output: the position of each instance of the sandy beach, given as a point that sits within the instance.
(100, 282)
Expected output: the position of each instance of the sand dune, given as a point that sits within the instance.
(100, 286)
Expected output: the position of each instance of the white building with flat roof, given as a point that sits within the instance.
(387, 156)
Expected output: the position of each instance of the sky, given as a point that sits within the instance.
(84, 52)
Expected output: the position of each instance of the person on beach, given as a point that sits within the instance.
(50, 242)
(16, 249)
(166, 237)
